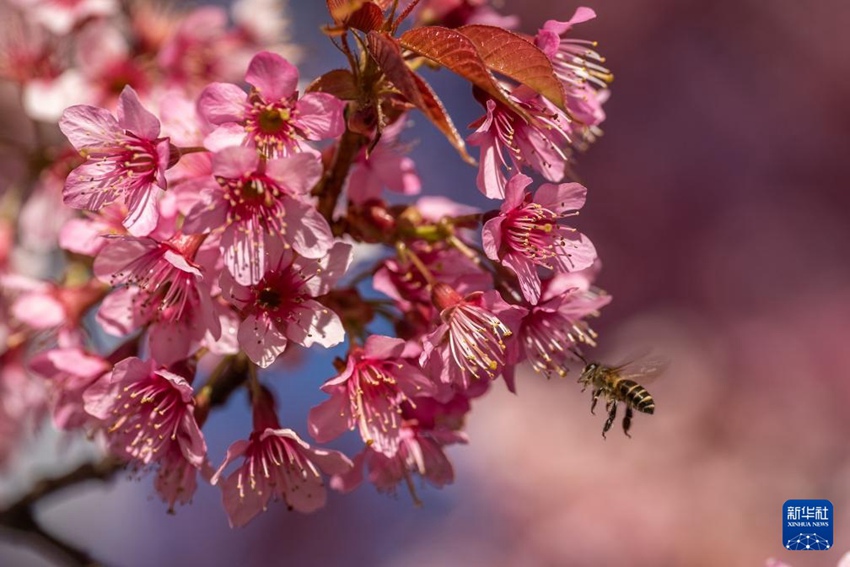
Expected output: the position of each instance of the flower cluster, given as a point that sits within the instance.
(213, 206)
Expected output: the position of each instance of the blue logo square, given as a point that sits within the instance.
(807, 525)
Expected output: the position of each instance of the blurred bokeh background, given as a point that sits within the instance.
(720, 205)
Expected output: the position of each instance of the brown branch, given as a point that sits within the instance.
(19, 522)
(329, 189)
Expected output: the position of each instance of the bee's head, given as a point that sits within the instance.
(588, 372)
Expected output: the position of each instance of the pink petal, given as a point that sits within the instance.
(133, 117)
(225, 136)
(242, 505)
(236, 450)
(235, 162)
(314, 324)
(170, 342)
(491, 237)
(382, 347)
(220, 103)
(261, 340)
(526, 271)
(307, 230)
(272, 75)
(577, 254)
(142, 215)
(298, 173)
(562, 197)
(84, 188)
(321, 116)
(89, 126)
(39, 311)
(515, 191)
(329, 420)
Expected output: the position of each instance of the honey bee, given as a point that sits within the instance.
(619, 384)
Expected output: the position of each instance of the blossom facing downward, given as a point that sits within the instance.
(148, 411)
(368, 394)
(272, 118)
(529, 232)
(125, 160)
(277, 465)
(471, 341)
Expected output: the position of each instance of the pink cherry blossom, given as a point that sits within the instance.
(368, 395)
(420, 452)
(125, 160)
(579, 69)
(541, 144)
(470, 343)
(259, 202)
(148, 411)
(271, 118)
(168, 291)
(282, 305)
(70, 372)
(277, 465)
(529, 232)
(385, 166)
(558, 322)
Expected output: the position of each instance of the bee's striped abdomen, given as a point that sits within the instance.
(636, 396)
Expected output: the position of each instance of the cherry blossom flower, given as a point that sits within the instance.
(260, 202)
(167, 290)
(470, 343)
(282, 305)
(70, 371)
(277, 465)
(125, 160)
(271, 118)
(148, 411)
(578, 67)
(368, 395)
(558, 322)
(385, 166)
(540, 144)
(528, 232)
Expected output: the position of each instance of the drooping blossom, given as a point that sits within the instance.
(282, 306)
(529, 232)
(272, 118)
(420, 452)
(147, 411)
(277, 465)
(169, 289)
(260, 202)
(368, 395)
(559, 322)
(125, 160)
(541, 143)
(470, 342)
(579, 68)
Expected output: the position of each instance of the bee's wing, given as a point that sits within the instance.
(643, 370)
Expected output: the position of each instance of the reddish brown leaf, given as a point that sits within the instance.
(387, 54)
(341, 10)
(369, 17)
(339, 82)
(516, 57)
(458, 53)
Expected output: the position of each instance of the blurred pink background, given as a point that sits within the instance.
(719, 203)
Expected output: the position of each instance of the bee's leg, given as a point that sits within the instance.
(627, 421)
(596, 394)
(612, 415)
